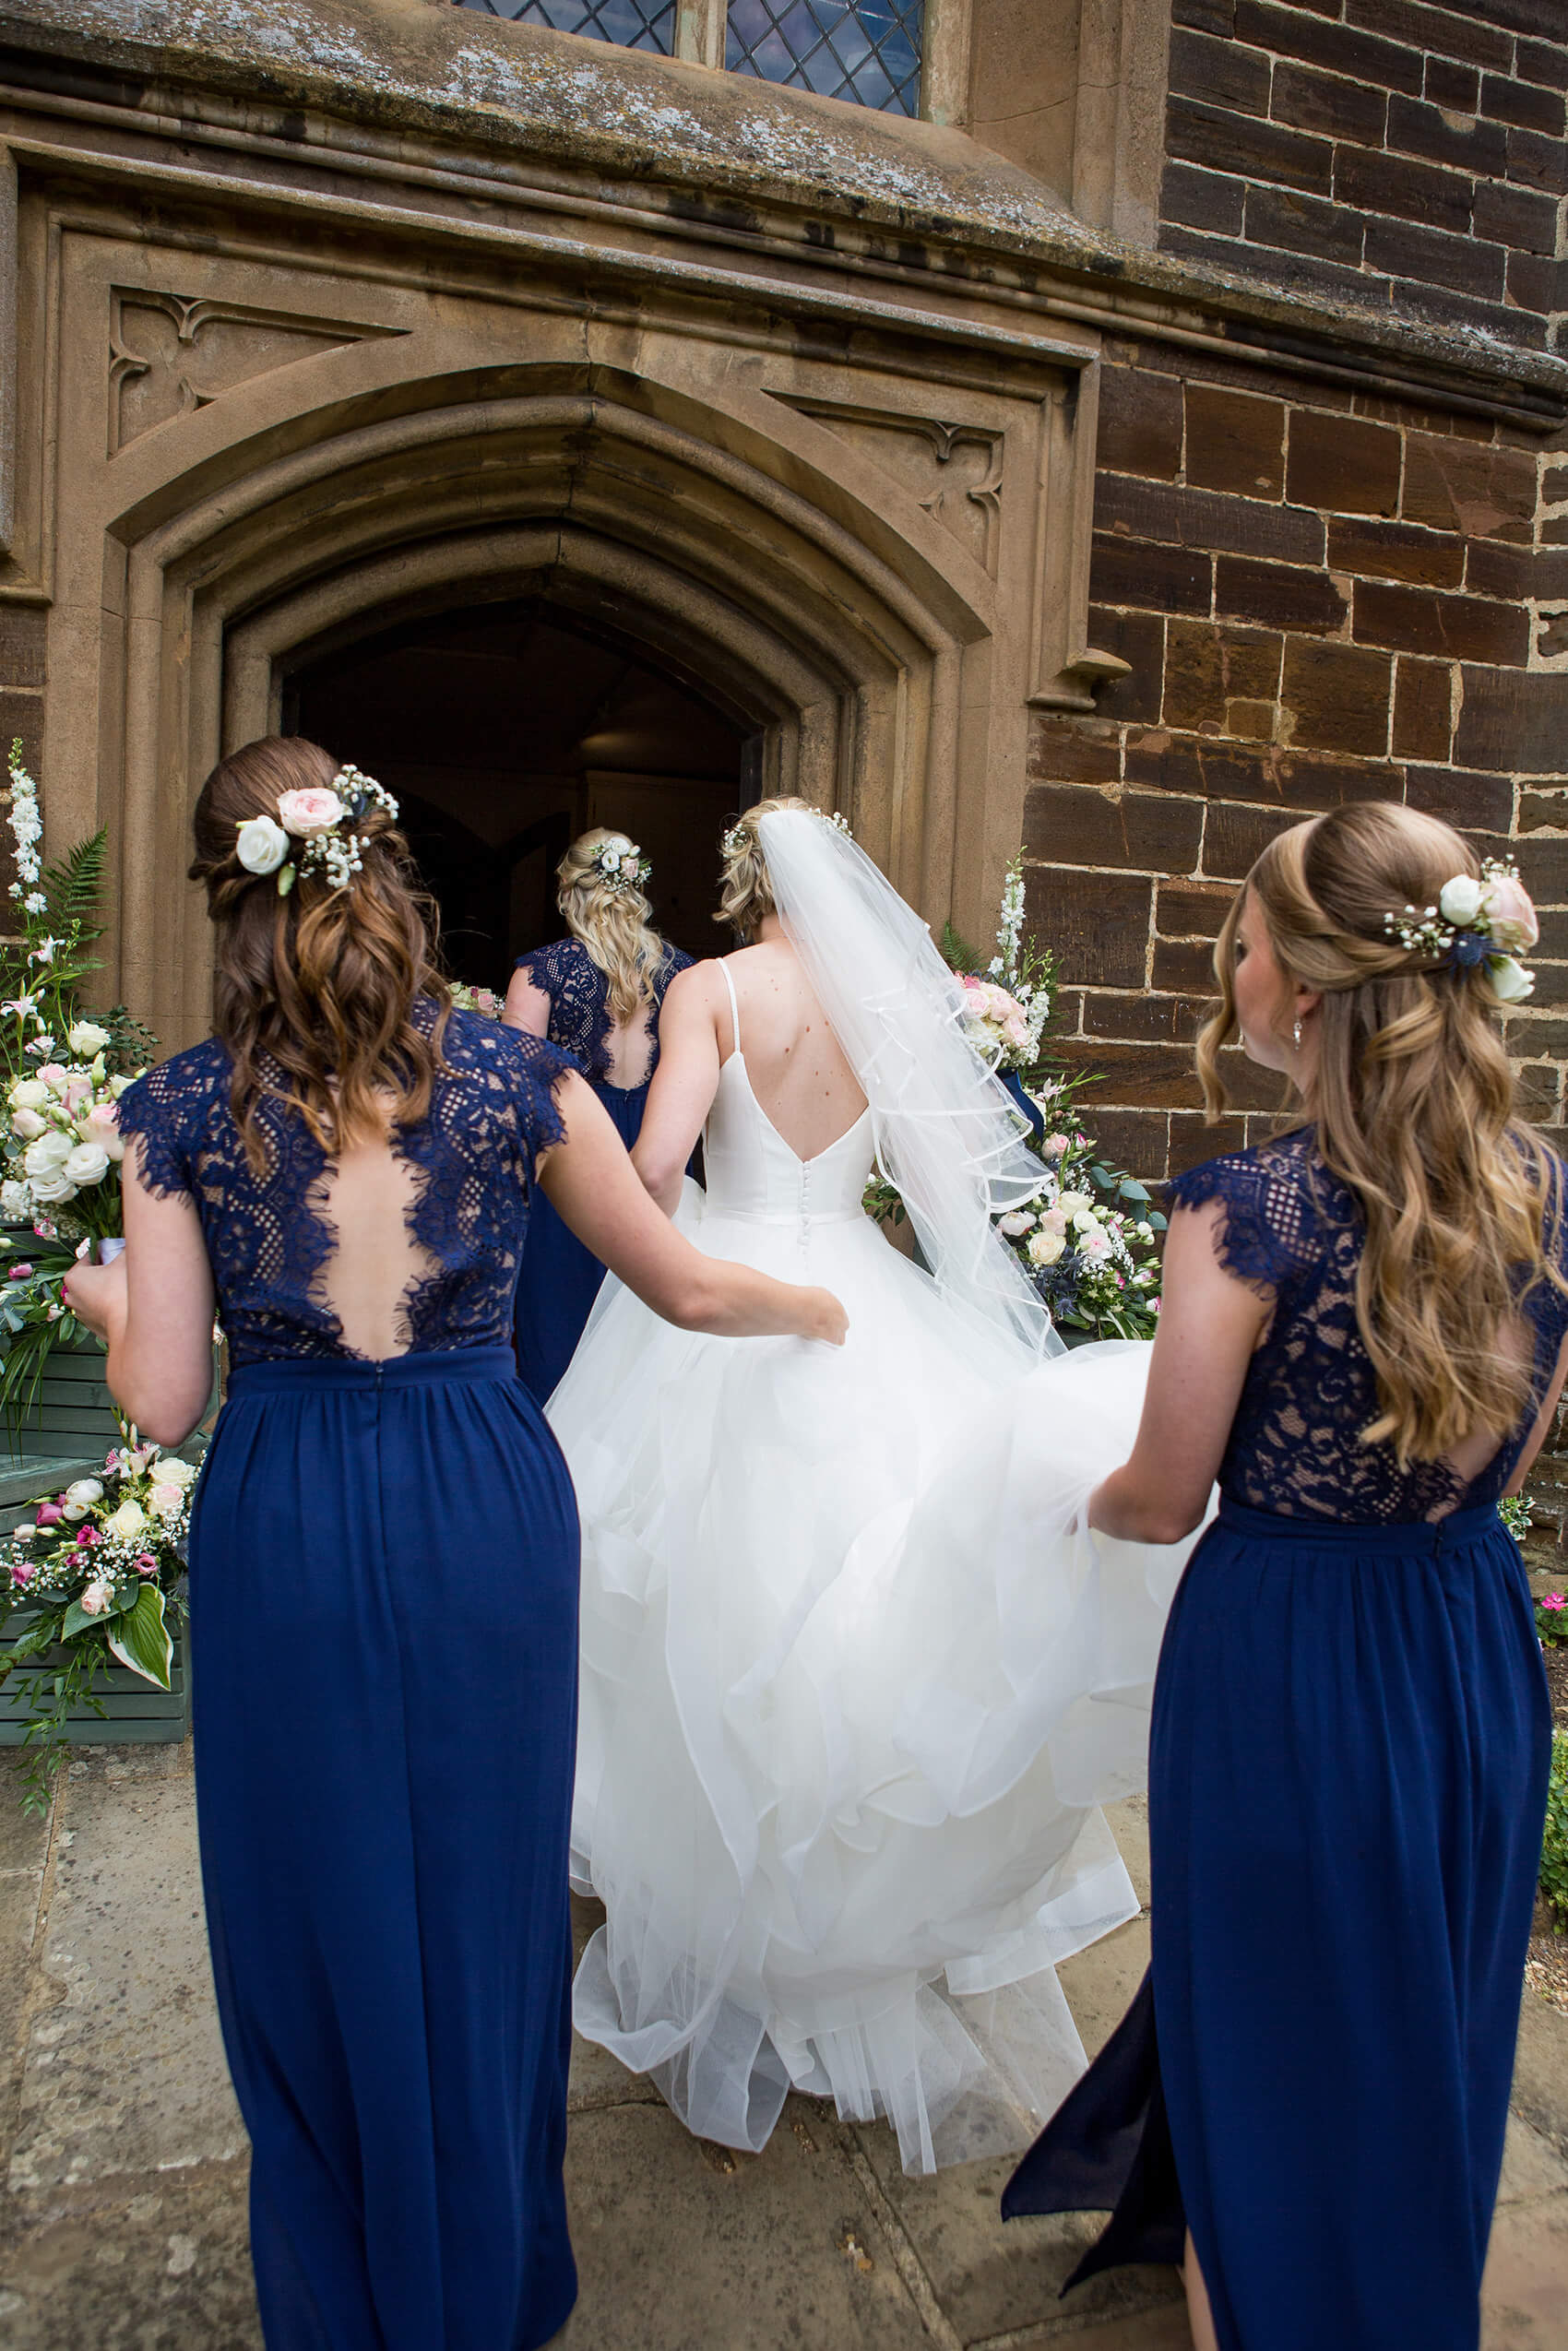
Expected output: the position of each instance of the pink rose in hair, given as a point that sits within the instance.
(305, 813)
(1512, 917)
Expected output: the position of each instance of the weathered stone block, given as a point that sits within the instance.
(1074, 825)
(1383, 183)
(1137, 638)
(1452, 32)
(1234, 837)
(21, 718)
(1430, 132)
(1514, 573)
(1193, 1140)
(1515, 217)
(1199, 199)
(1343, 464)
(1466, 796)
(1234, 441)
(1099, 929)
(1183, 964)
(1304, 224)
(1073, 750)
(1404, 249)
(1224, 72)
(1538, 284)
(1458, 87)
(1129, 571)
(1423, 709)
(1206, 519)
(1280, 595)
(1226, 142)
(1543, 61)
(1150, 1019)
(1135, 1077)
(1336, 697)
(1209, 669)
(1311, 101)
(1523, 104)
(1543, 864)
(1463, 628)
(1441, 307)
(1538, 161)
(1513, 722)
(1191, 909)
(1394, 550)
(1290, 32)
(1140, 422)
(23, 634)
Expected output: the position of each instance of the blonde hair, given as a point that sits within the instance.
(747, 894)
(1413, 1108)
(614, 925)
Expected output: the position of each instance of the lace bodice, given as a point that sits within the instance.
(1293, 1232)
(579, 1002)
(270, 1238)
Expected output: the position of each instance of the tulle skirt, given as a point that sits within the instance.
(855, 1681)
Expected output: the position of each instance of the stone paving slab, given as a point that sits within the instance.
(126, 2227)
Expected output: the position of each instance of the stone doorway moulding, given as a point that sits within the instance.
(877, 558)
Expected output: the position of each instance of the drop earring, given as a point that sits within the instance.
(1296, 1033)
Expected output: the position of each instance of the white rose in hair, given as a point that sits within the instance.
(86, 1037)
(262, 845)
(89, 1163)
(1460, 900)
(1511, 983)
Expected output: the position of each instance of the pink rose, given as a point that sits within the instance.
(305, 813)
(53, 1075)
(21, 1272)
(1511, 916)
(78, 1091)
(22, 1573)
(1055, 1146)
(1054, 1220)
(95, 1599)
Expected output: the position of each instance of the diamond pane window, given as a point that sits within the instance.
(630, 24)
(866, 51)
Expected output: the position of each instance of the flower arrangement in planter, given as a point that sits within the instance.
(61, 1077)
(1089, 1240)
(94, 1578)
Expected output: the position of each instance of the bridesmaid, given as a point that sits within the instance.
(1363, 1337)
(597, 996)
(383, 1560)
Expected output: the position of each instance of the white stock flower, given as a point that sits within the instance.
(85, 1037)
(89, 1163)
(128, 1520)
(261, 845)
(1459, 901)
(1045, 1248)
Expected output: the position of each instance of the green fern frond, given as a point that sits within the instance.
(75, 886)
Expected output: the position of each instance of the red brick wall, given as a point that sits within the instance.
(1387, 152)
(1323, 597)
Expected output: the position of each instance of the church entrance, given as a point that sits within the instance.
(505, 730)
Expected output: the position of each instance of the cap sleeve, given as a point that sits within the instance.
(1264, 1236)
(155, 1111)
(538, 1069)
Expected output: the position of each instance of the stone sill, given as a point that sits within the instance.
(744, 161)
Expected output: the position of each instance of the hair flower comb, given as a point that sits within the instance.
(1478, 920)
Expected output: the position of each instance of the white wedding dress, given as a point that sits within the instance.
(855, 1679)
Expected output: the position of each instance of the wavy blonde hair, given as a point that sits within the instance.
(746, 894)
(615, 926)
(314, 994)
(1414, 1111)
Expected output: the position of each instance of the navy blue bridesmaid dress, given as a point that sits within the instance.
(1348, 1774)
(560, 1278)
(383, 1603)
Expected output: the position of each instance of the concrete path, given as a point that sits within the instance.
(125, 2223)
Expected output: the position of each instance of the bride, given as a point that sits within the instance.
(855, 1677)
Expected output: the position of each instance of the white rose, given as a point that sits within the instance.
(175, 1472)
(48, 1155)
(27, 1124)
(86, 1037)
(1086, 1222)
(85, 1490)
(1070, 1202)
(1511, 983)
(1459, 901)
(53, 1192)
(261, 845)
(28, 1094)
(1045, 1248)
(1015, 1223)
(128, 1520)
(89, 1163)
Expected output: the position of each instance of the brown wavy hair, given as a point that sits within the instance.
(747, 894)
(615, 926)
(314, 994)
(1414, 1110)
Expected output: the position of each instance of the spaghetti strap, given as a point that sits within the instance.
(734, 1008)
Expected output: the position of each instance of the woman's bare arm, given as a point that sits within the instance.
(154, 1308)
(1209, 1324)
(590, 1182)
(684, 1084)
(527, 1007)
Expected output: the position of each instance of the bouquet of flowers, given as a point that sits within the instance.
(61, 1078)
(480, 1000)
(1088, 1241)
(96, 1577)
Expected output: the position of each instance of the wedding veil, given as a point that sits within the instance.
(946, 1133)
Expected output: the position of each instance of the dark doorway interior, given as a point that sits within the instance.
(504, 731)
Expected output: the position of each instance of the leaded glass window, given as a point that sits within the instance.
(630, 24)
(866, 51)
